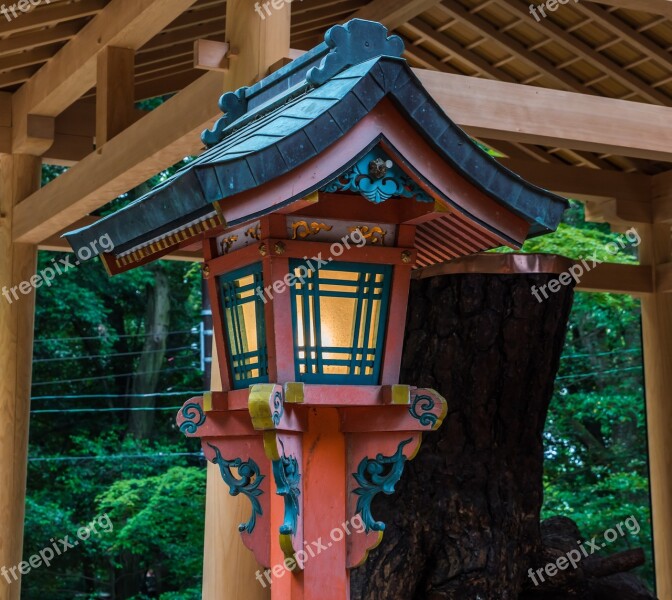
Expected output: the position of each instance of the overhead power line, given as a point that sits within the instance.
(120, 396)
(103, 377)
(113, 355)
(628, 351)
(95, 410)
(111, 457)
(609, 371)
(104, 337)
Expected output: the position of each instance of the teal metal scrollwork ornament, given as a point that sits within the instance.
(287, 478)
(278, 408)
(248, 484)
(375, 476)
(425, 404)
(195, 417)
(377, 178)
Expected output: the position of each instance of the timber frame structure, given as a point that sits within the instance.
(578, 102)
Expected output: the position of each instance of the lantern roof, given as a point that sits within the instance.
(298, 119)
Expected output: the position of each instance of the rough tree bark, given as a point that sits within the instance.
(146, 378)
(464, 522)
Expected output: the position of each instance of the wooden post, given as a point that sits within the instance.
(115, 88)
(229, 568)
(19, 177)
(655, 250)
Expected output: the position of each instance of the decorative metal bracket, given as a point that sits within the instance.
(375, 476)
(375, 183)
(285, 452)
(248, 484)
(194, 417)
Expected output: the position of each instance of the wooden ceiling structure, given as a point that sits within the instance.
(578, 102)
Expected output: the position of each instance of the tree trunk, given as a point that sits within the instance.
(464, 521)
(157, 324)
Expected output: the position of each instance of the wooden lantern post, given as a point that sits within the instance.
(324, 185)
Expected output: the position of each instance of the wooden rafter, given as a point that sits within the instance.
(421, 29)
(655, 7)
(629, 35)
(560, 78)
(35, 39)
(419, 57)
(393, 13)
(604, 64)
(48, 16)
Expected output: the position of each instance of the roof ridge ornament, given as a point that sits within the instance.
(353, 43)
(344, 46)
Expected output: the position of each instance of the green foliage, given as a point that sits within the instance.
(576, 239)
(90, 333)
(596, 469)
(162, 517)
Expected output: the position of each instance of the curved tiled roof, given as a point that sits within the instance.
(308, 106)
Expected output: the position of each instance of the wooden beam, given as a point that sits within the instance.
(169, 39)
(115, 92)
(655, 7)
(167, 84)
(418, 56)
(68, 150)
(72, 72)
(157, 141)
(582, 183)
(18, 262)
(28, 58)
(210, 55)
(514, 112)
(5, 122)
(34, 135)
(59, 33)
(635, 280)
(393, 13)
(621, 214)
